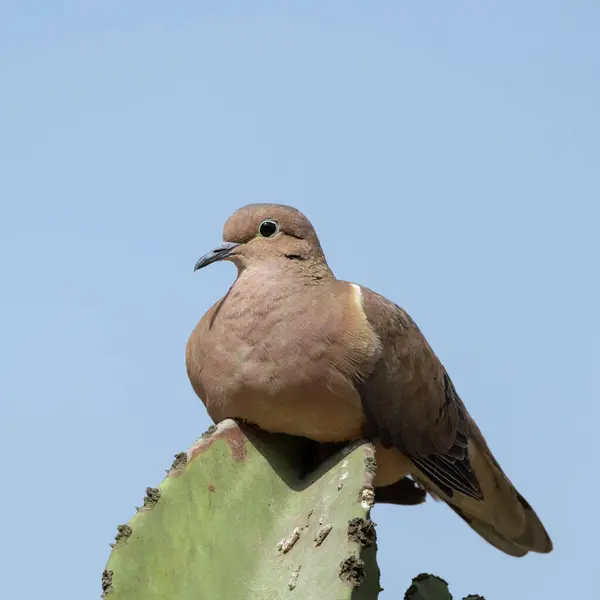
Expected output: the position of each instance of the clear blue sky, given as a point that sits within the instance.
(447, 153)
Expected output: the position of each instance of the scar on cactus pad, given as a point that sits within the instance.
(209, 431)
(352, 570)
(152, 496)
(179, 462)
(371, 464)
(362, 531)
(106, 582)
(322, 533)
(124, 532)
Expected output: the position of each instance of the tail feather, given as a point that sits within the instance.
(535, 537)
(503, 517)
(490, 535)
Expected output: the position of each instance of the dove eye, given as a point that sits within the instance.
(268, 228)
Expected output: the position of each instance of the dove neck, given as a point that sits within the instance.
(289, 270)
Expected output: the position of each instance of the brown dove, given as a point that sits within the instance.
(294, 350)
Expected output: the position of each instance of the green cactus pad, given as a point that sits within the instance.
(428, 587)
(235, 518)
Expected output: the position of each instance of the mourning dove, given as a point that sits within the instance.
(294, 350)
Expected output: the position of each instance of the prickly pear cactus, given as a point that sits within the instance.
(428, 587)
(235, 518)
(431, 587)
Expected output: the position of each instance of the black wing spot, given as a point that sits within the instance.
(295, 257)
(452, 470)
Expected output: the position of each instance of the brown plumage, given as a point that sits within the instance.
(294, 350)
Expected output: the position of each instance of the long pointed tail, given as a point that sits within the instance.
(503, 517)
(534, 539)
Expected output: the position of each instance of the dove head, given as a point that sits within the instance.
(279, 235)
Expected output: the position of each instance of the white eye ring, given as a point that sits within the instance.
(268, 228)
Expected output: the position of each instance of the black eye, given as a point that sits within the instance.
(268, 228)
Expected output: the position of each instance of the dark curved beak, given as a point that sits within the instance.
(219, 253)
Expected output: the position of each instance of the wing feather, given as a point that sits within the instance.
(411, 403)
